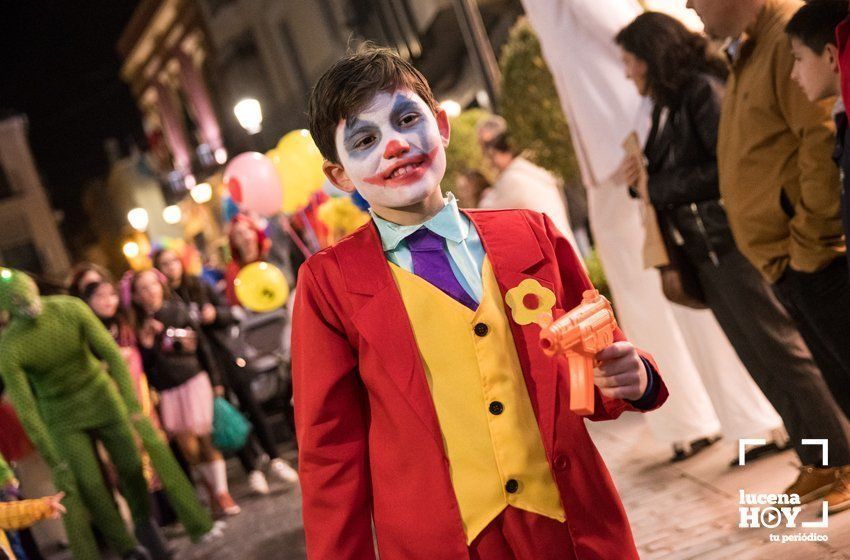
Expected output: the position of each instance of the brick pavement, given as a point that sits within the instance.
(689, 510)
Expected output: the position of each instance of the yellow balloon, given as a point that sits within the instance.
(299, 166)
(261, 287)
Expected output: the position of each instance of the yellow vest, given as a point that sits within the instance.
(491, 437)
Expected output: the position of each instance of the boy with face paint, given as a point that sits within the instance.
(424, 403)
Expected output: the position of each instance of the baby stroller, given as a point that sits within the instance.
(255, 351)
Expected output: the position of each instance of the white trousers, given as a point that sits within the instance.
(710, 391)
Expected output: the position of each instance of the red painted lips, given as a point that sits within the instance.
(404, 171)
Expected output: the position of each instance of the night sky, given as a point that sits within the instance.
(59, 66)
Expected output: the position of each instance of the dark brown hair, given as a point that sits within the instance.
(139, 312)
(81, 269)
(815, 22)
(346, 87)
(673, 54)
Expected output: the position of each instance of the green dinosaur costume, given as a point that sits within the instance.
(51, 364)
(6, 474)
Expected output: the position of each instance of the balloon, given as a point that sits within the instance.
(254, 184)
(299, 166)
(261, 287)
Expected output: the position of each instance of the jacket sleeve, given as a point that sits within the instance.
(685, 184)
(816, 230)
(206, 356)
(105, 348)
(575, 281)
(223, 315)
(22, 514)
(331, 424)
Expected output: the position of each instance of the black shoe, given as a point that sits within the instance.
(150, 537)
(682, 451)
(138, 553)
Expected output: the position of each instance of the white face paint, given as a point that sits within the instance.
(392, 151)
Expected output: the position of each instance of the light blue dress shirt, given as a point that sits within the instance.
(463, 245)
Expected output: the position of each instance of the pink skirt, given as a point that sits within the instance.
(188, 408)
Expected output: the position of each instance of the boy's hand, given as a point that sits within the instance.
(621, 373)
(55, 504)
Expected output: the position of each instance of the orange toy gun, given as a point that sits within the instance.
(580, 335)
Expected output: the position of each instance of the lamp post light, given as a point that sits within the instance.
(138, 218)
(201, 193)
(249, 114)
(131, 249)
(172, 215)
(451, 107)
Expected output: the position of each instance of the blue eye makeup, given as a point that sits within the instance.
(359, 134)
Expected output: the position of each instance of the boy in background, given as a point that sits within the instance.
(812, 31)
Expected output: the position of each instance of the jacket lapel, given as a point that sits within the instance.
(381, 319)
(659, 139)
(515, 254)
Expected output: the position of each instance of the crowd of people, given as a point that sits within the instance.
(174, 332)
(740, 173)
(747, 126)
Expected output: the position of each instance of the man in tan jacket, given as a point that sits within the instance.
(781, 191)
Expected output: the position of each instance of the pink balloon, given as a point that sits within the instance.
(253, 182)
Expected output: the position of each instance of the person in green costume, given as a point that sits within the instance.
(52, 351)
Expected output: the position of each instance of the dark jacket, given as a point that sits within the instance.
(682, 166)
(196, 292)
(173, 360)
(842, 159)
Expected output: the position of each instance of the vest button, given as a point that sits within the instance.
(561, 462)
(511, 486)
(481, 329)
(496, 408)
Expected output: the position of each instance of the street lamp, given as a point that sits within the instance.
(249, 114)
(201, 193)
(138, 218)
(451, 107)
(131, 249)
(172, 214)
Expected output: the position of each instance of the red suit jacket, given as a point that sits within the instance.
(369, 440)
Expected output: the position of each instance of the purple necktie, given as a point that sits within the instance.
(431, 263)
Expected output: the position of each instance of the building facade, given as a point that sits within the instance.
(190, 61)
(29, 233)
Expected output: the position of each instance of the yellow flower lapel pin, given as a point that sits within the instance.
(529, 300)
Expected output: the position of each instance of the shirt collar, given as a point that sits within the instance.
(838, 108)
(448, 223)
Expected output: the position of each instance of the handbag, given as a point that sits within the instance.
(230, 428)
(679, 281)
(680, 284)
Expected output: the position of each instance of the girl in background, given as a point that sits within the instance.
(179, 366)
(248, 244)
(215, 316)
